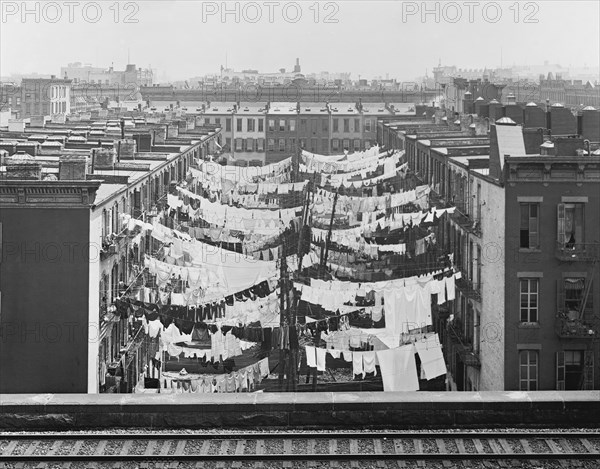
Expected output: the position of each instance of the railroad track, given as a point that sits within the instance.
(445, 449)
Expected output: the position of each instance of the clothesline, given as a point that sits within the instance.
(244, 379)
(397, 367)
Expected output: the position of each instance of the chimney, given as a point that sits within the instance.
(22, 166)
(72, 168)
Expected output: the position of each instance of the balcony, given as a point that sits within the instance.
(578, 252)
(469, 288)
(569, 326)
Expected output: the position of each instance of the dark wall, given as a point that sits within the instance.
(44, 280)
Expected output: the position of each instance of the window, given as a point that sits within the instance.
(528, 370)
(261, 144)
(346, 125)
(282, 125)
(529, 291)
(478, 267)
(346, 144)
(529, 233)
(271, 144)
(470, 260)
(574, 295)
(303, 143)
(238, 144)
(570, 225)
(292, 125)
(303, 125)
(356, 145)
(238, 124)
(207, 120)
(336, 125)
(367, 125)
(249, 144)
(261, 125)
(313, 125)
(573, 370)
(271, 125)
(228, 143)
(313, 145)
(282, 144)
(218, 120)
(292, 144)
(250, 123)
(357, 125)
(324, 125)
(335, 144)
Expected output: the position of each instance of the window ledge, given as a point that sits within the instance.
(529, 325)
(530, 250)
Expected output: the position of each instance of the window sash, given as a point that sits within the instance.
(528, 370)
(529, 299)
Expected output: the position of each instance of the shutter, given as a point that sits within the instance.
(588, 370)
(533, 226)
(561, 224)
(560, 371)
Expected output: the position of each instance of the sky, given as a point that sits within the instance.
(189, 38)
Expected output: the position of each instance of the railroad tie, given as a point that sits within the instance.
(354, 450)
(100, 447)
(165, 448)
(287, 449)
(379, 450)
(333, 450)
(478, 446)
(588, 446)
(239, 450)
(11, 446)
(150, 447)
(260, 449)
(223, 452)
(126, 448)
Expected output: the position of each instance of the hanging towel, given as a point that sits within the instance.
(347, 355)
(357, 364)
(450, 290)
(432, 358)
(321, 354)
(399, 369)
(264, 367)
(311, 357)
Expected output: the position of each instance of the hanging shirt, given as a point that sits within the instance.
(357, 364)
(369, 362)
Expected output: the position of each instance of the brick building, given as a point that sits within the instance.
(66, 338)
(524, 237)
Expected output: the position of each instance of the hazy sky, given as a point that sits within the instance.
(188, 38)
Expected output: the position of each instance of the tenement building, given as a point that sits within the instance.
(524, 235)
(76, 201)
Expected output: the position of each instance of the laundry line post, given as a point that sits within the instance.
(325, 249)
(282, 316)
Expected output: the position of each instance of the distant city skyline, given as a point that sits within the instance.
(368, 40)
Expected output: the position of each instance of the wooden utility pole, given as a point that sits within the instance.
(282, 315)
(325, 248)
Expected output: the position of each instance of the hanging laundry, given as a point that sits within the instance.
(321, 355)
(311, 356)
(357, 364)
(431, 356)
(399, 369)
